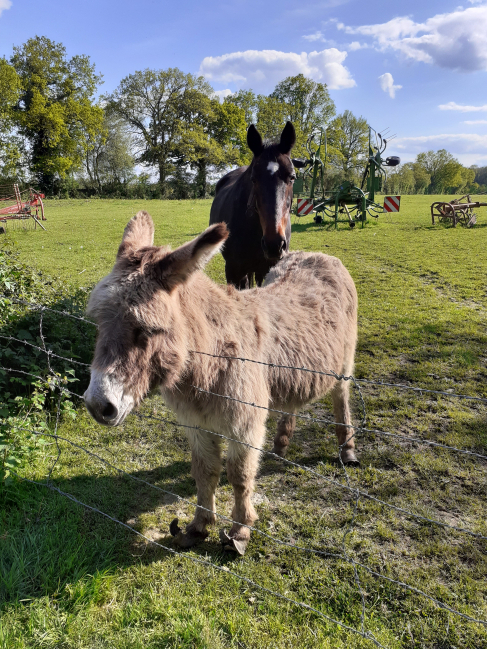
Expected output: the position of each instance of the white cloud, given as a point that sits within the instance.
(317, 36)
(454, 142)
(4, 5)
(355, 45)
(262, 69)
(475, 121)
(387, 84)
(468, 148)
(452, 105)
(455, 41)
(221, 94)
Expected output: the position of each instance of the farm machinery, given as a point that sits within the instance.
(21, 208)
(347, 199)
(458, 210)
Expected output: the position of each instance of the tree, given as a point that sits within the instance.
(442, 168)
(108, 160)
(348, 135)
(152, 102)
(10, 89)
(465, 178)
(422, 179)
(309, 103)
(272, 115)
(54, 112)
(247, 101)
(480, 174)
(212, 135)
(400, 180)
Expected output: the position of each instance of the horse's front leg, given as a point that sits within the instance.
(242, 465)
(205, 469)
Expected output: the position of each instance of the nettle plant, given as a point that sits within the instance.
(25, 417)
(33, 394)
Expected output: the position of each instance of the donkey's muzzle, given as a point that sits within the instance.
(103, 411)
(274, 249)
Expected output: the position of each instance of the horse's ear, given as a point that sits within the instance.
(138, 233)
(254, 140)
(177, 266)
(288, 138)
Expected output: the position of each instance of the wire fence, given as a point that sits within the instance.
(347, 484)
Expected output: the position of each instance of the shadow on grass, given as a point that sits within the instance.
(327, 225)
(48, 541)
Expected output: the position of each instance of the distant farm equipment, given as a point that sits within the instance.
(459, 210)
(21, 209)
(347, 199)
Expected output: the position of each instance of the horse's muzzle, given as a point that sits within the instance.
(274, 249)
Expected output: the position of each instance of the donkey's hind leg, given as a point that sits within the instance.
(242, 465)
(205, 469)
(285, 432)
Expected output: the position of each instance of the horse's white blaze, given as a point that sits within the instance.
(272, 167)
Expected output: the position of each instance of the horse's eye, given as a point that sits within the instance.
(137, 335)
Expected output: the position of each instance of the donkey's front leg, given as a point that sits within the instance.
(345, 432)
(242, 465)
(205, 469)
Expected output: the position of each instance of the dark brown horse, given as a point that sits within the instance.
(255, 203)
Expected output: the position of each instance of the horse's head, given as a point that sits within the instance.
(273, 175)
(137, 308)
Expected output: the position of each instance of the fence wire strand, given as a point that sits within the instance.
(56, 382)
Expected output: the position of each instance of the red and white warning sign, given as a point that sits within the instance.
(392, 203)
(305, 206)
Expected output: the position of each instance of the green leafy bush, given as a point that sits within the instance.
(34, 384)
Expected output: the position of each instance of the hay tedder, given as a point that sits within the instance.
(458, 210)
(353, 202)
(21, 209)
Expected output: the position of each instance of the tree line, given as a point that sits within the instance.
(166, 134)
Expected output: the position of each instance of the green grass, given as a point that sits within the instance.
(71, 578)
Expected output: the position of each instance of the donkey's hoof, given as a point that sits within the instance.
(280, 450)
(349, 459)
(185, 539)
(174, 528)
(233, 545)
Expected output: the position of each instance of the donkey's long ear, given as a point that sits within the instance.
(254, 140)
(177, 266)
(288, 138)
(138, 233)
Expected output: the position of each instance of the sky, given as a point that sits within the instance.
(417, 67)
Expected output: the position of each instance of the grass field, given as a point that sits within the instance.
(70, 578)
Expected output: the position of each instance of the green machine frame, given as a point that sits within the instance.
(354, 202)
